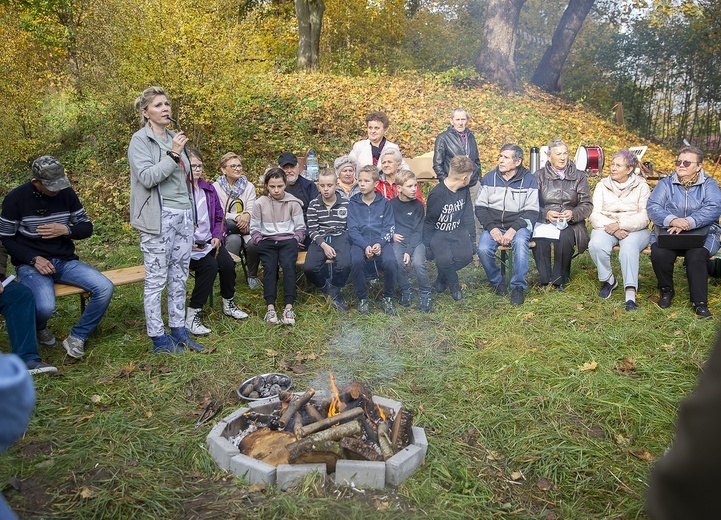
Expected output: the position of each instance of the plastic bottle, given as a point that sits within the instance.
(311, 166)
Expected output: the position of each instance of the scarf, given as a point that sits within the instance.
(376, 151)
(237, 189)
(687, 183)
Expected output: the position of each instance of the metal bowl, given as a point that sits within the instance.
(264, 385)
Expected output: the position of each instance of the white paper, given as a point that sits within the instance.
(549, 231)
(9, 279)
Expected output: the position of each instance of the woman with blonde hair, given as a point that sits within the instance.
(163, 210)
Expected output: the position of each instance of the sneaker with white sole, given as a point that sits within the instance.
(74, 346)
(46, 338)
(253, 283)
(288, 316)
(232, 310)
(36, 366)
(194, 324)
(271, 317)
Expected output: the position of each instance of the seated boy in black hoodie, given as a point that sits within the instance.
(370, 228)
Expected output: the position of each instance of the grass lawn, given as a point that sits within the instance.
(519, 422)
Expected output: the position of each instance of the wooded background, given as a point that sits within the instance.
(71, 68)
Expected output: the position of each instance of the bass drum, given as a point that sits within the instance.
(589, 158)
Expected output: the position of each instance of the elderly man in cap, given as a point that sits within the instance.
(39, 221)
(300, 187)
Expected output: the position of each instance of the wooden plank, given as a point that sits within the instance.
(122, 276)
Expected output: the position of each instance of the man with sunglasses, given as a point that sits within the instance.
(686, 200)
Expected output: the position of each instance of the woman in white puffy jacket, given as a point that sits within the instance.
(619, 218)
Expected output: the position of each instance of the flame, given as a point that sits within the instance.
(380, 411)
(336, 406)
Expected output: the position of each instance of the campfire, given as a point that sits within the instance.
(348, 430)
(303, 429)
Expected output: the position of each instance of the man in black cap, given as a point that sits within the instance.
(39, 221)
(300, 187)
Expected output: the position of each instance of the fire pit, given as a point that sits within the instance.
(362, 440)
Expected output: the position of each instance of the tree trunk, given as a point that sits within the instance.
(495, 60)
(548, 72)
(310, 23)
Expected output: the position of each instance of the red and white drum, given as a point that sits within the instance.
(589, 158)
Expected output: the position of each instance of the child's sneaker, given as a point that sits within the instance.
(288, 316)
(406, 298)
(425, 303)
(74, 347)
(364, 306)
(388, 307)
(271, 317)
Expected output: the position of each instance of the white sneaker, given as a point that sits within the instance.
(46, 338)
(193, 324)
(232, 310)
(74, 347)
(271, 317)
(288, 316)
(253, 283)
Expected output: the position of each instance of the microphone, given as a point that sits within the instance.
(175, 122)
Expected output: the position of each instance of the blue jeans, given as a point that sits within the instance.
(69, 272)
(487, 248)
(18, 307)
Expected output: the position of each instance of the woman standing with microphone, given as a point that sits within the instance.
(162, 209)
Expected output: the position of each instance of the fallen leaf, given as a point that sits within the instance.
(298, 369)
(421, 409)
(517, 475)
(493, 455)
(258, 488)
(272, 353)
(588, 366)
(579, 307)
(149, 414)
(528, 315)
(642, 454)
(86, 493)
(628, 364)
(127, 369)
(95, 398)
(622, 440)
(543, 484)
(165, 370)
(283, 365)
(83, 418)
(673, 315)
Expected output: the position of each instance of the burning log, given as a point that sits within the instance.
(327, 452)
(330, 421)
(322, 446)
(402, 428)
(297, 423)
(359, 450)
(350, 429)
(353, 391)
(369, 429)
(384, 441)
(294, 406)
(313, 412)
(271, 421)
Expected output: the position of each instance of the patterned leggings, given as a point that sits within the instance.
(167, 257)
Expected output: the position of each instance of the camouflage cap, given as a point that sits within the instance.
(48, 170)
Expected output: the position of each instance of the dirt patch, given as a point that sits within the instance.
(32, 449)
(29, 498)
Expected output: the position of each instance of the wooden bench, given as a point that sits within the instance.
(123, 276)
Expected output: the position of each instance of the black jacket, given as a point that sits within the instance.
(449, 145)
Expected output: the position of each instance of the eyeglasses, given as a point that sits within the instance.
(685, 164)
(196, 166)
(235, 166)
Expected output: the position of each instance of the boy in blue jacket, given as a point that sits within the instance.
(370, 227)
